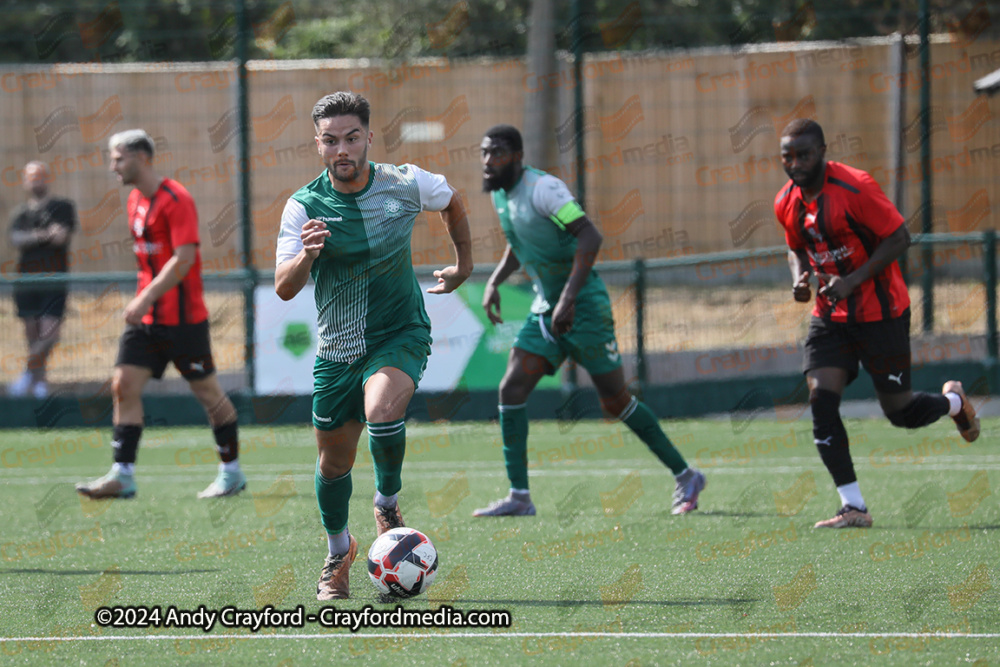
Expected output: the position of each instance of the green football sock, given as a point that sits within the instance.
(333, 496)
(514, 430)
(387, 443)
(644, 424)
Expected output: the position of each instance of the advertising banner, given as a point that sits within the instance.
(468, 352)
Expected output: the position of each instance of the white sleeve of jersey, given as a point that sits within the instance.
(550, 195)
(290, 234)
(435, 193)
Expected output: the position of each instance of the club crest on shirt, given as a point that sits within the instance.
(392, 206)
(810, 227)
(139, 223)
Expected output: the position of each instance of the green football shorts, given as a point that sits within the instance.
(590, 342)
(338, 387)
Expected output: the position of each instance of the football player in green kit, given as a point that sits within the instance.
(550, 236)
(350, 230)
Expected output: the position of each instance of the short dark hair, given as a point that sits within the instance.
(804, 127)
(342, 103)
(508, 135)
(133, 140)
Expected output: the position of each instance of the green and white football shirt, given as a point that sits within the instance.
(366, 289)
(534, 215)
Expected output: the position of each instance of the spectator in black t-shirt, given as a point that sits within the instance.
(41, 230)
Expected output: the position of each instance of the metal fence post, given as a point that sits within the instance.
(578, 128)
(640, 321)
(990, 271)
(897, 58)
(927, 223)
(246, 216)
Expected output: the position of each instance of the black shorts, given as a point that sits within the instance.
(882, 348)
(153, 346)
(40, 302)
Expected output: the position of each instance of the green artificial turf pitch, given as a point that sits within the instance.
(603, 575)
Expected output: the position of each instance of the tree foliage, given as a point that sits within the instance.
(180, 30)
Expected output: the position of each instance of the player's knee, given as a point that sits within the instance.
(333, 464)
(48, 341)
(123, 388)
(825, 405)
(512, 391)
(828, 429)
(330, 471)
(220, 411)
(615, 405)
(208, 392)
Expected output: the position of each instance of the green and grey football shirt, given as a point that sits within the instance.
(365, 286)
(534, 215)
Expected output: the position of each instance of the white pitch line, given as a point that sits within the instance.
(566, 466)
(520, 635)
(485, 474)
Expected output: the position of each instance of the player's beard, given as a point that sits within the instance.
(808, 180)
(355, 174)
(502, 179)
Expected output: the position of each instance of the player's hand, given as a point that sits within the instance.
(314, 236)
(136, 310)
(835, 288)
(801, 290)
(491, 304)
(562, 317)
(449, 278)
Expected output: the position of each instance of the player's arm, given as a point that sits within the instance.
(170, 276)
(798, 263)
(509, 263)
(588, 242)
(457, 222)
(300, 242)
(798, 258)
(291, 275)
(888, 251)
(552, 199)
(873, 210)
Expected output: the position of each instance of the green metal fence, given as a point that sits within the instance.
(921, 244)
(679, 320)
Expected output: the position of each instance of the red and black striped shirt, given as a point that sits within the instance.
(166, 221)
(840, 230)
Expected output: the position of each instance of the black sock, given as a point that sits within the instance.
(924, 409)
(830, 436)
(226, 442)
(125, 440)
